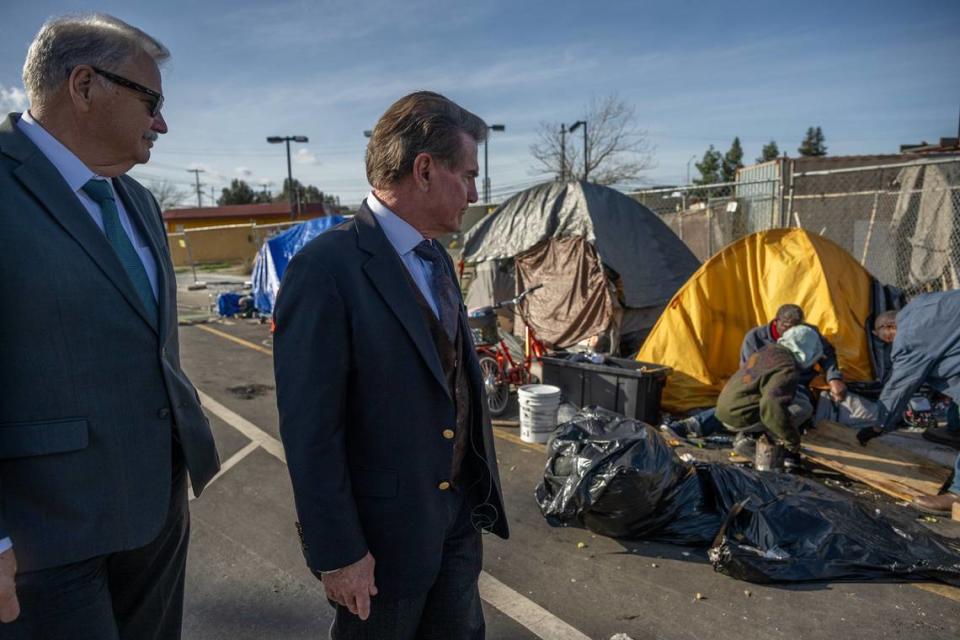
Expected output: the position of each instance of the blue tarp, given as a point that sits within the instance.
(228, 304)
(275, 254)
(926, 350)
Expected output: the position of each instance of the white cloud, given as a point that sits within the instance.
(12, 99)
(304, 156)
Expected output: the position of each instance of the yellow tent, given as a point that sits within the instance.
(700, 332)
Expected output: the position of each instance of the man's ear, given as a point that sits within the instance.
(80, 86)
(422, 170)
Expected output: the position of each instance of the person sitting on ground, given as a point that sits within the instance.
(791, 315)
(926, 350)
(885, 329)
(761, 396)
(943, 503)
(705, 423)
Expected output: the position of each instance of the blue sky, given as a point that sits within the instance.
(873, 75)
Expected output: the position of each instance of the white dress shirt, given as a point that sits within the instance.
(404, 238)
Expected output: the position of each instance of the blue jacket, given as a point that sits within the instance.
(926, 350)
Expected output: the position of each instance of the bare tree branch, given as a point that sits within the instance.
(618, 150)
(168, 195)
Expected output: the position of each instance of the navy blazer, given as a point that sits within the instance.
(92, 389)
(363, 404)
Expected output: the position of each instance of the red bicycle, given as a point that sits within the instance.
(504, 362)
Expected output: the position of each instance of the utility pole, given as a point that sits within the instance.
(196, 173)
(213, 196)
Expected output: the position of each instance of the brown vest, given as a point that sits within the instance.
(452, 356)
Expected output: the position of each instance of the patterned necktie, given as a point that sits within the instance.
(441, 283)
(101, 192)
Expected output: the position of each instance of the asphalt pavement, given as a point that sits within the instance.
(247, 579)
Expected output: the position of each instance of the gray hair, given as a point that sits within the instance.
(790, 313)
(96, 39)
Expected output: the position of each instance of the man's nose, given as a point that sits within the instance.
(159, 124)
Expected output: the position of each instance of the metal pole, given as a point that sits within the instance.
(290, 181)
(486, 168)
(873, 219)
(196, 173)
(563, 153)
(586, 157)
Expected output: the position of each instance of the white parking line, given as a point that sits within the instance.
(252, 446)
(526, 612)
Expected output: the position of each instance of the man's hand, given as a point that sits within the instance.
(352, 586)
(866, 435)
(9, 605)
(838, 390)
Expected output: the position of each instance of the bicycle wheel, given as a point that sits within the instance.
(497, 388)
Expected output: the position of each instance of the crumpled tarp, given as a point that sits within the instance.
(274, 255)
(629, 238)
(925, 224)
(618, 478)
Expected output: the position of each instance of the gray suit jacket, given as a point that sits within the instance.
(91, 391)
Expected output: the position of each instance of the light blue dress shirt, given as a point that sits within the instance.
(404, 238)
(76, 175)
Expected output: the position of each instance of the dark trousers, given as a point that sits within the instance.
(451, 610)
(128, 595)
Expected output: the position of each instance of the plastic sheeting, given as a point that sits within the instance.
(629, 238)
(274, 255)
(618, 478)
(700, 332)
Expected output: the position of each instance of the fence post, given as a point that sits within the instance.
(873, 218)
(785, 220)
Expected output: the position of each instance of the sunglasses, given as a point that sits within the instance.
(156, 99)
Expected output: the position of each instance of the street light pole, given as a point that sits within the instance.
(586, 157)
(486, 160)
(563, 152)
(294, 211)
(692, 158)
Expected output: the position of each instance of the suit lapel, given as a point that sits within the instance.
(383, 269)
(136, 210)
(38, 175)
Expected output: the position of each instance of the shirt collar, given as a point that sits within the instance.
(66, 162)
(399, 232)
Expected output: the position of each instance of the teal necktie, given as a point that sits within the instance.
(101, 192)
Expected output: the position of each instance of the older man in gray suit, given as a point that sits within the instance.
(98, 423)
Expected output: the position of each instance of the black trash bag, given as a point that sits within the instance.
(618, 478)
(781, 528)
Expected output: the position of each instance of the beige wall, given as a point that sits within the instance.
(233, 243)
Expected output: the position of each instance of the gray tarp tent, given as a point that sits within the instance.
(629, 239)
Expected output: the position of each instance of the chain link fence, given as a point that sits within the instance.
(900, 220)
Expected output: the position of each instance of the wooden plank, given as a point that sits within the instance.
(881, 465)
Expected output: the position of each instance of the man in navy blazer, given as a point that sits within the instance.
(98, 423)
(382, 412)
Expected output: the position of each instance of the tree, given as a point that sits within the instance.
(813, 143)
(168, 195)
(770, 152)
(710, 167)
(732, 161)
(618, 150)
(306, 194)
(239, 192)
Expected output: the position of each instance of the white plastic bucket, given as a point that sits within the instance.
(538, 411)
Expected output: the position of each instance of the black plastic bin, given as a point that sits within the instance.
(629, 387)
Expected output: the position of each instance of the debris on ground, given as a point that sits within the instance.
(617, 477)
(250, 391)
